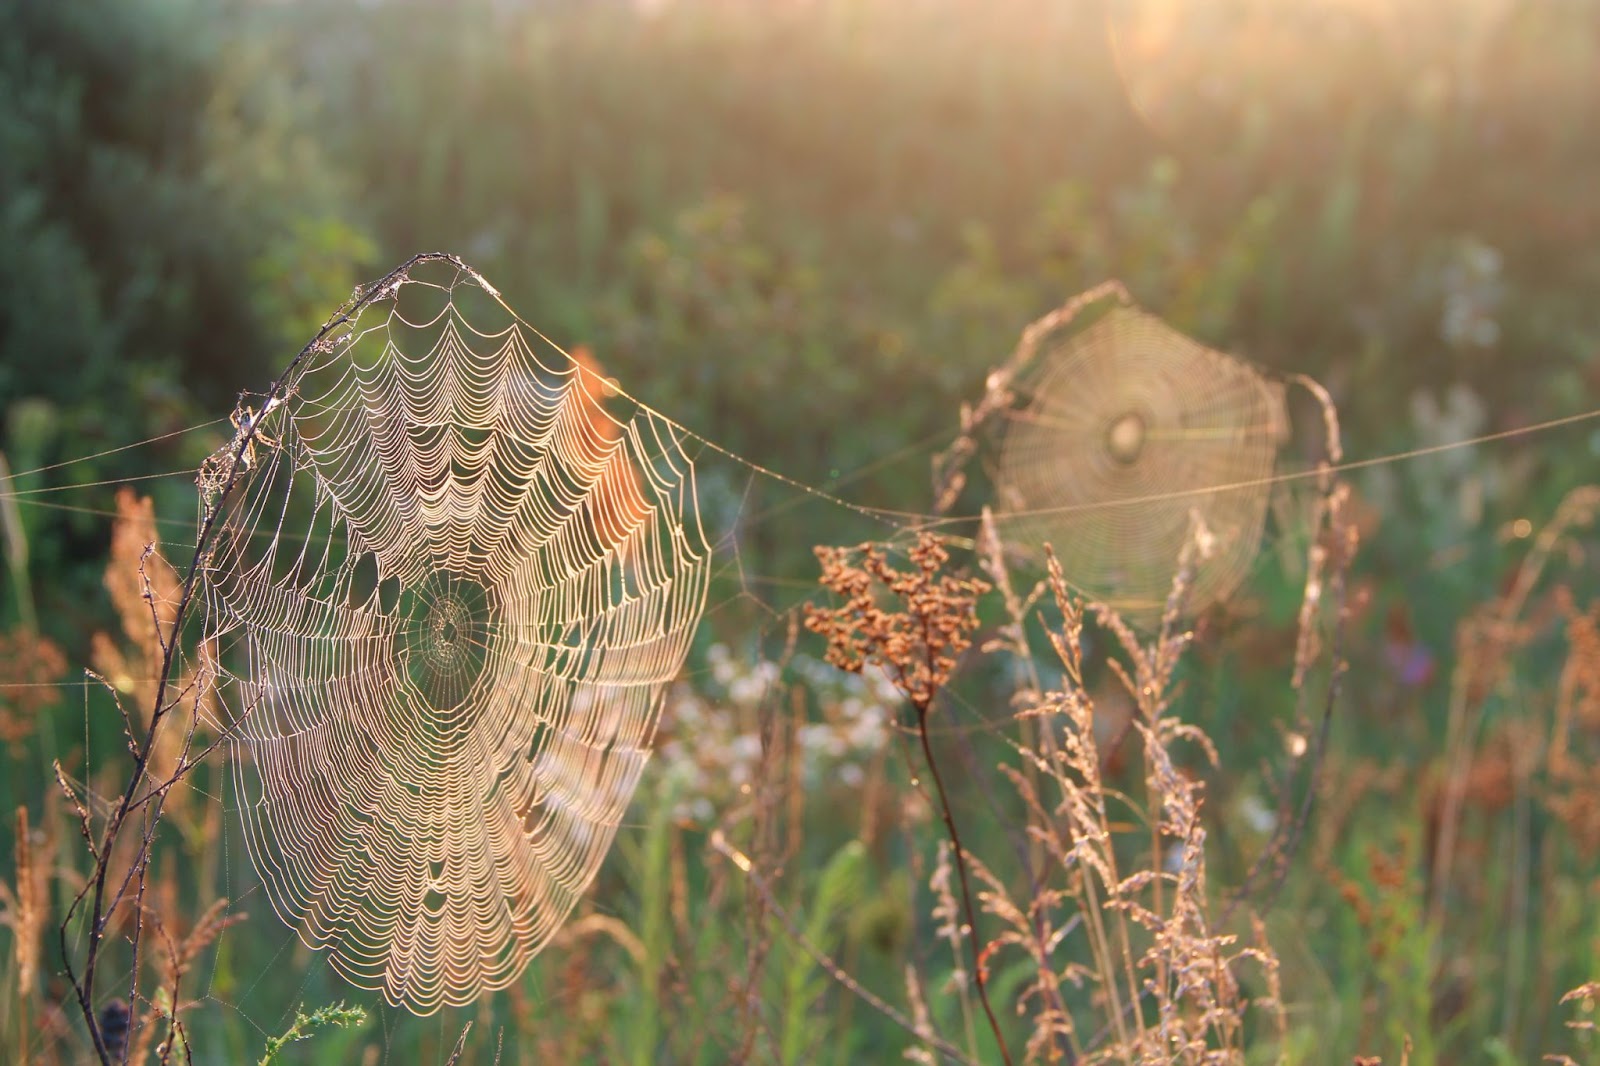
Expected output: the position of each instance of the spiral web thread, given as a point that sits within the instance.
(445, 602)
(1132, 433)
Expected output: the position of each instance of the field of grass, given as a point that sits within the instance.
(1353, 815)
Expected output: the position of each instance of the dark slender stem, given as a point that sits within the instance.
(966, 890)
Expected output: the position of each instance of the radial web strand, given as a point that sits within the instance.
(445, 601)
(1131, 434)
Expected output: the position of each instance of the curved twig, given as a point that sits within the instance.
(95, 888)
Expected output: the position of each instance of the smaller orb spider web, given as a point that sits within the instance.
(449, 591)
(1129, 435)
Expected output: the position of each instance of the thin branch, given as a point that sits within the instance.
(94, 890)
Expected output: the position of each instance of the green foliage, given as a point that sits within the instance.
(644, 1032)
(172, 232)
(842, 882)
(305, 1026)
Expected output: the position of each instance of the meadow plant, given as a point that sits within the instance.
(917, 640)
(29, 666)
(1111, 917)
(1126, 874)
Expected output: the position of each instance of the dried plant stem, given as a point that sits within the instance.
(96, 887)
(966, 889)
(24, 929)
(23, 1031)
(1334, 541)
(461, 1045)
(1484, 642)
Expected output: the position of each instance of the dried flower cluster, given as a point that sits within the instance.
(1573, 795)
(25, 909)
(29, 667)
(144, 590)
(917, 645)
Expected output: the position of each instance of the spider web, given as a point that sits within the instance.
(418, 596)
(1132, 434)
(444, 602)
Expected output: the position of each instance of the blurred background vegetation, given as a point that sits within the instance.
(808, 230)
